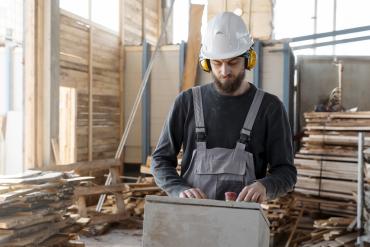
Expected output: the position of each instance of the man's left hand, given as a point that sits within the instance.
(255, 192)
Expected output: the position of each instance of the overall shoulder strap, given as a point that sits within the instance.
(198, 113)
(250, 119)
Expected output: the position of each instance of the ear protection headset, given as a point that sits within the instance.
(250, 61)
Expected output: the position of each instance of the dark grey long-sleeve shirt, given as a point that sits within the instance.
(270, 142)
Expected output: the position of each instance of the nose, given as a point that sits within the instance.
(225, 69)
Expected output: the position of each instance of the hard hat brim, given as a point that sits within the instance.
(213, 56)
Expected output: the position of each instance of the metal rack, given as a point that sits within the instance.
(362, 238)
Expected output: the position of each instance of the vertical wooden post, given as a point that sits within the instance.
(47, 79)
(193, 47)
(39, 81)
(122, 63)
(29, 86)
(90, 127)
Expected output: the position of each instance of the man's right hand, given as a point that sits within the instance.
(193, 193)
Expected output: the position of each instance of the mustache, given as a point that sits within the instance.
(229, 85)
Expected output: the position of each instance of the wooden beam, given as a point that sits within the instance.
(51, 78)
(108, 218)
(122, 64)
(29, 103)
(47, 77)
(86, 166)
(193, 46)
(90, 144)
(39, 82)
(100, 189)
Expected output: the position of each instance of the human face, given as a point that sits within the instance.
(228, 73)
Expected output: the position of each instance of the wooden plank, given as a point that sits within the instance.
(325, 157)
(348, 238)
(6, 235)
(90, 114)
(193, 46)
(23, 221)
(29, 105)
(339, 186)
(83, 166)
(100, 189)
(362, 114)
(108, 218)
(14, 194)
(81, 205)
(45, 177)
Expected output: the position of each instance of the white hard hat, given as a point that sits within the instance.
(226, 36)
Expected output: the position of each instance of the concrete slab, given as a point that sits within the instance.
(191, 222)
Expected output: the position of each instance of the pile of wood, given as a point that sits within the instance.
(33, 209)
(327, 161)
(280, 213)
(134, 197)
(327, 179)
(136, 193)
(334, 231)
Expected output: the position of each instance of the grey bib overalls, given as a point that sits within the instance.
(219, 170)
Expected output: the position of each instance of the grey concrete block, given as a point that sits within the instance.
(190, 222)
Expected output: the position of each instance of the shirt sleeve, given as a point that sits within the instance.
(282, 174)
(164, 157)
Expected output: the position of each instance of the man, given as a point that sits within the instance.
(230, 131)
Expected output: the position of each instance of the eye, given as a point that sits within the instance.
(216, 63)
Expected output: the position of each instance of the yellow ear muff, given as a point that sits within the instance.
(204, 64)
(252, 59)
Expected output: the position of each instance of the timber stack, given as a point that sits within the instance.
(327, 161)
(327, 175)
(34, 210)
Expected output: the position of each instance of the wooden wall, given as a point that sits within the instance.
(136, 21)
(257, 14)
(74, 73)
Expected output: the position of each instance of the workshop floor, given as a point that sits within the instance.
(115, 238)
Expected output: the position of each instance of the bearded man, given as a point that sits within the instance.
(235, 137)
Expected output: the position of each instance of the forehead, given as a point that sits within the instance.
(227, 60)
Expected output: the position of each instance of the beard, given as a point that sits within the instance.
(229, 85)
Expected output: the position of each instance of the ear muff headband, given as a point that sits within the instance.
(250, 61)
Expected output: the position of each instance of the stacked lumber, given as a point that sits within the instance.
(133, 196)
(280, 213)
(327, 161)
(33, 209)
(296, 220)
(136, 193)
(334, 231)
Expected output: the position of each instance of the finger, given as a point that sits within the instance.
(262, 198)
(242, 194)
(189, 194)
(182, 195)
(204, 196)
(255, 197)
(196, 193)
(249, 195)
